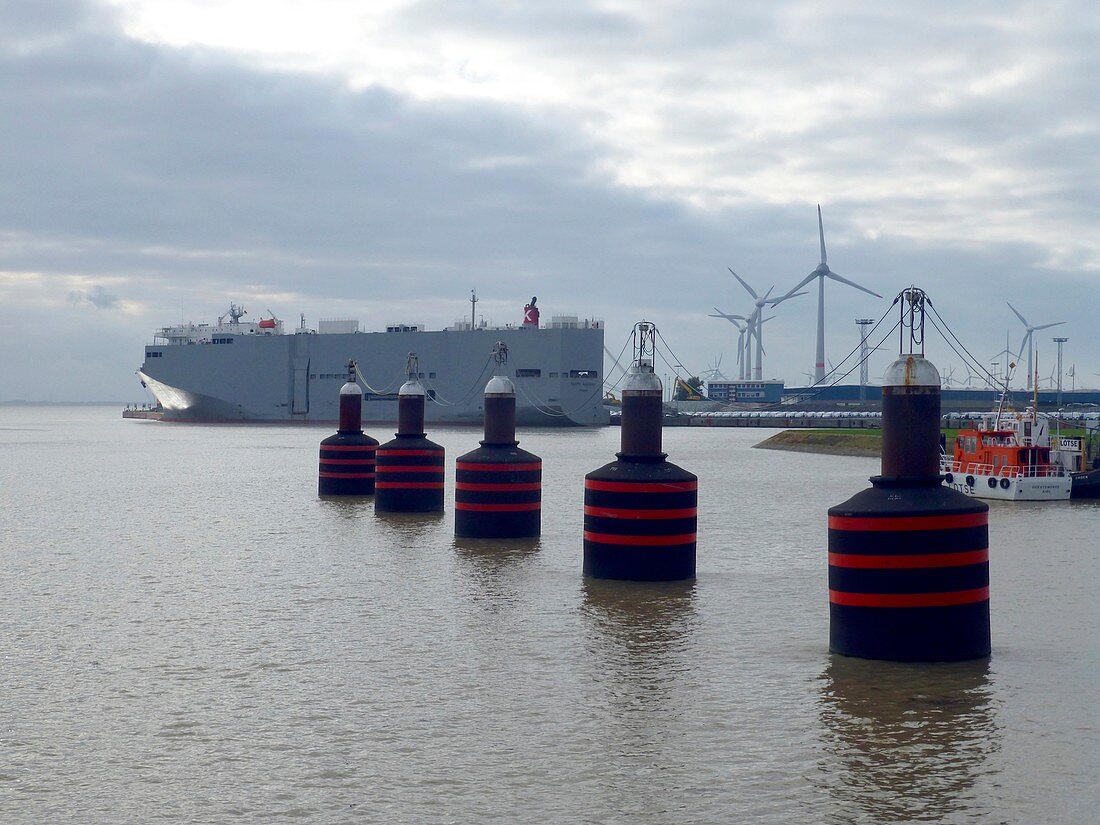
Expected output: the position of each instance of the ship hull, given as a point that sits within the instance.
(1086, 484)
(1006, 488)
(296, 378)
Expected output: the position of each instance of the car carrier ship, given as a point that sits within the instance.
(236, 370)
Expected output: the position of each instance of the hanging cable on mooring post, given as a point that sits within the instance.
(498, 487)
(640, 510)
(909, 558)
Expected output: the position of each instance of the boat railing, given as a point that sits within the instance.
(1008, 471)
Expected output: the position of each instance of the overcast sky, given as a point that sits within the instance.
(162, 158)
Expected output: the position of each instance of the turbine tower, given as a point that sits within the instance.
(821, 273)
(1027, 342)
(755, 322)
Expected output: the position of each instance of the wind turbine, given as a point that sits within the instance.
(1026, 341)
(741, 322)
(1011, 359)
(754, 320)
(821, 273)
(714, 370)
(1050, 379)
(969, 375)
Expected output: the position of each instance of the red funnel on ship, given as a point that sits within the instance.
(531, 314)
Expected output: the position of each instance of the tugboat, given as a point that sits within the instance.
(1008, 457)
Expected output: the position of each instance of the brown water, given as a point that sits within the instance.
(188, 634)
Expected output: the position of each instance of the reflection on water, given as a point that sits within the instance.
(647, 617)
(495, 570)
(496, 553)
(911, 739)
(347, 508)
(638, 636)
(407, 528)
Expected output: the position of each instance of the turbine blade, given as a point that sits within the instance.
(1023, 320)
(783, 298)
(821, 232)
(745, 285)
(835, 277)
(731, 318)
(801, 284)
(1047, 326)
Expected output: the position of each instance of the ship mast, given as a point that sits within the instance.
(1009, 367)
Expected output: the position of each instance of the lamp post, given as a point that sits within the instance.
(863, 324)
(1059, 342)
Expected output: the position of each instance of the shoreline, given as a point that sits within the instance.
(858, 442)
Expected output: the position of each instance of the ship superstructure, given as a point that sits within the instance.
(239, 371)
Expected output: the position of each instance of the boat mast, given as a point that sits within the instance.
(1009, 366)
(1035, 389)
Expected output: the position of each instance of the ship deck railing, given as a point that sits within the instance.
(974, 468)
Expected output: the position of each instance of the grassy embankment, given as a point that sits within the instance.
(850, 442)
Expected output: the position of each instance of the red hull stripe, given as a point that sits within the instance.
(489, 468)
(949, 599)
(650, 541)
(904, 562)
(409, 468)
(360, 447)
(499, 488)
(626, 487)
(409, 485)
(498, 508)
(413, 452)
(616, 512)
(345, 475)
(347, 461)
(854, 524)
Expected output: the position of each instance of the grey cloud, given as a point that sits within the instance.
(97, 296)
(199, 179)
(135, 146)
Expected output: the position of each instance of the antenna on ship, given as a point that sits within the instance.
(235, 314)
